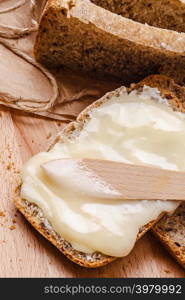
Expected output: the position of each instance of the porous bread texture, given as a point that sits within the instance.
(171, 232)
(168, 14)
(35, 215)
(80, 35)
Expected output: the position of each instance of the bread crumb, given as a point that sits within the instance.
(49, 135)
(17, 188)
(8, 167)
(12, 227)
(167, 271)
(2, 214)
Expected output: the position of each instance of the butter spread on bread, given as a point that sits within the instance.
(137, 128)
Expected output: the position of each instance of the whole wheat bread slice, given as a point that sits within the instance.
(171, 232)
(35, 215)
(80, 35)
(168, 14)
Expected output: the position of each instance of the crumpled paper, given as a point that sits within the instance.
(28, 86)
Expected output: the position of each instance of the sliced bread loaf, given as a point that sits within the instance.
(168, 14)
(83, 36)
(35, 215)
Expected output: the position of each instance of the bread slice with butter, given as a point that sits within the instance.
(79, 35)
(170, 229)
(167, 92)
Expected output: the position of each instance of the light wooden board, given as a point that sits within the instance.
(24, 253)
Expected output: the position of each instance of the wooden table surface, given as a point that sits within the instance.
(23, 252)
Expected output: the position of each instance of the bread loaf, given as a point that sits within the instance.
(80, 35)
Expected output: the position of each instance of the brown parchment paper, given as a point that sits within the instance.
(26, 85)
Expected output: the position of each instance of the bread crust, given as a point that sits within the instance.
(35, 215)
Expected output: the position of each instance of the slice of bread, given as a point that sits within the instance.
(171, 232)
(169, 90)
(80, 35)
(168, 14)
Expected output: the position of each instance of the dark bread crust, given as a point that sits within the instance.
(168, 14)
(35, 215)
(83, 36)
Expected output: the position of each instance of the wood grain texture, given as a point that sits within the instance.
(24, 253)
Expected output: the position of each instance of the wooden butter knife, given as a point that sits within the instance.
(115, 180)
